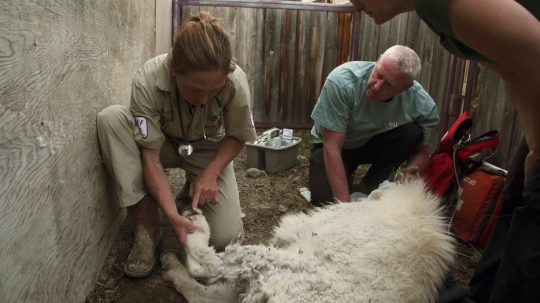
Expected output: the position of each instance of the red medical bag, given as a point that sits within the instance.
(479, 199)
(478, 207)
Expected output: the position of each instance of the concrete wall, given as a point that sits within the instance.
(60, 63)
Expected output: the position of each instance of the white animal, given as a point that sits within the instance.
(393, 247)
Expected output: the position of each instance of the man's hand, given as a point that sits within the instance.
(182, 226)
(411, 172)
(203, 190)
(417, 163)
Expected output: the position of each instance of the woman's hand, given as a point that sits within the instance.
(203, 190)
(182, 226)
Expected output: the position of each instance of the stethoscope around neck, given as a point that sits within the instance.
(185, 149)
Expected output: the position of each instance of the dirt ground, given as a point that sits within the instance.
(264, 200)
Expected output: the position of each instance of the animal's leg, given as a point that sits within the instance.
(194, 292)
(201, 260)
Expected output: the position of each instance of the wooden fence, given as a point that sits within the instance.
(286, 54)
(288, 48)
(491, 109)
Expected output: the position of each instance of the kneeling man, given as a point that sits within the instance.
(370, 113)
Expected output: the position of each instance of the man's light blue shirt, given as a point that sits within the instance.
(343, 107)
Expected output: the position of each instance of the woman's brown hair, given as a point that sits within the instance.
(202, 44)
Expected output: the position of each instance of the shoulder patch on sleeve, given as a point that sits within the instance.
(143, 126)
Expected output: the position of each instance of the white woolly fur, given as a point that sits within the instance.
(389, 248)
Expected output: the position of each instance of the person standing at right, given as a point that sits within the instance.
(504, 35)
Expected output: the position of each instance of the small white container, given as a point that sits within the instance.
(273, 155)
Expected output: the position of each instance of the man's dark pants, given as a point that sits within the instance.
(509, 269)
(385, 152)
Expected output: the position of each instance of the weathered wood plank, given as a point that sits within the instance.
(318, 72)
(369, 39)
(272, 50)
(286, 55)
(163, 26)
(258, 77)
(302, 59)
(331, 42)
(492, 110)
(60, 63)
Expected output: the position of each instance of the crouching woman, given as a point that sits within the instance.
(189, 109)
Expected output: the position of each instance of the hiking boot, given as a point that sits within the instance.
(142, 257)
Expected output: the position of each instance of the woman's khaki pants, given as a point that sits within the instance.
(121, 155)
